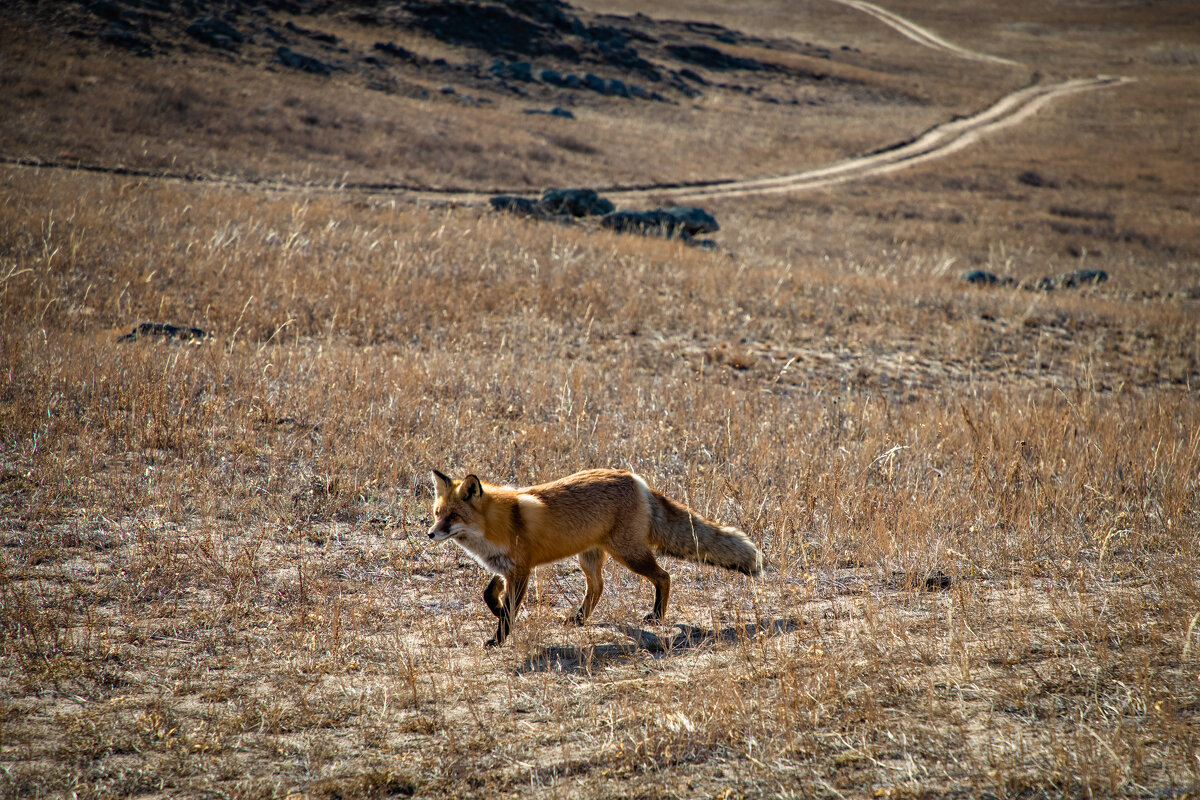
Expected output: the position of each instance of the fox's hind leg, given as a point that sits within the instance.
(645, 565)
(591, 562)
(492, 595)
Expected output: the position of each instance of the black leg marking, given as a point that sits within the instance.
(493, 595)
(512, 604)
(647, 567)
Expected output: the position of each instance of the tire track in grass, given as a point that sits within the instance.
(940, 141)
(937, 142)
(921, 35)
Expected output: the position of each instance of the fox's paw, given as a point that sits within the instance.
(576, 620)
(492, 642)
(653, 618)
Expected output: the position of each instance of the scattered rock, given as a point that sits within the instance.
(514, 204)
(1073, 280)
(517, 70)
(107, 10)
(685, 221)
(530, 28)
(1068, 280)
(1081, 213)
(574, 202)
(694, 220)
(1036, 180)
(557, 111)
(981, 277)
(215, 33)
(165, 331)
(556, 204)
(564, 205)
(396, 51)
(290, 58)
(123, 17)
(317, 36)
(612, 86)
(595, 83)
(616, 88)
(118, 35)
(711, 58)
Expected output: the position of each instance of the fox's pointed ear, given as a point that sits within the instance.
(441, 483)
(470, 488)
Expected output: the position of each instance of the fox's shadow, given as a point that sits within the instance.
(687, 637)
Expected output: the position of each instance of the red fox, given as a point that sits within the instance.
(592, 514)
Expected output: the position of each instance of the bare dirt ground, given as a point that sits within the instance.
(979, 504)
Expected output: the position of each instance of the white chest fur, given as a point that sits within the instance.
(492, 558)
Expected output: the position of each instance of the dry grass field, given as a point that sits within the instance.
(980, 507)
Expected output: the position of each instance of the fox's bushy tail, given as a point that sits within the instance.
(678, 531)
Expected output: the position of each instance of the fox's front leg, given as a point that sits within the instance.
(492, 595)
(513, 597)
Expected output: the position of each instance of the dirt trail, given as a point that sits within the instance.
(939, 141)
(922, 35)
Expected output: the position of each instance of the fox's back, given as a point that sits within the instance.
(585, 507)
(590, 491)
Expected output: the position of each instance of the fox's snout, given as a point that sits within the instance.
(440, 531)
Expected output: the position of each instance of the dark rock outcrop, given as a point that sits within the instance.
(711, 58)
(685, 221)
(516, 70)
(290, 58)
(1036, 179)
(396, 51)
(574, 203)
(164, 330)
(566, 205)
(514, 204)
(525, 28)
(215, 33)
(119, 35)
(557, 111)
(979, 277)
(1073, 280)
(1068, 280)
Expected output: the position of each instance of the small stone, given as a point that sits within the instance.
(979, 276)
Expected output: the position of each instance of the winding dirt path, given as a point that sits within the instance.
(939, 141)
(922, 35)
